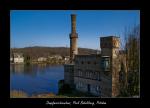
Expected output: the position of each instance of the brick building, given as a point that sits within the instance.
(97, 74)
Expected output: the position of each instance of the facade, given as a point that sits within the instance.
(69, 74)
(58, 57)
(18, 58)
(110, 47)
(66, 58)
(89, 76)
(42, 59)
(99, 74)
(96, 74)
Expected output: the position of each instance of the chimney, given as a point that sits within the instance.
(73, 23)
(73, 38)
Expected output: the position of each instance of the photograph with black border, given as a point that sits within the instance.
(71, 53)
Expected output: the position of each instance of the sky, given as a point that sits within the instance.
(51, 28)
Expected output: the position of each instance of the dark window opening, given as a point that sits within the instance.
(76, 62)
(88, 62)
(105, 63)
(89, 88)
(82, 62)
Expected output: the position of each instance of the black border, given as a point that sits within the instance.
(5, 9)
(73, 4)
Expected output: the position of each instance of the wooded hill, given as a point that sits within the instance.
(37, 51)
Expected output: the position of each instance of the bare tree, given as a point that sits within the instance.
(131, 62)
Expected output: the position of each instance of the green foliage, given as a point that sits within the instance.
(27, 59)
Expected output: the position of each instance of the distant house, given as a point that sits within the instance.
(58, 57)
(11, 58)
(41, 59)
(50, 57)
(17, 58)
(67, 58)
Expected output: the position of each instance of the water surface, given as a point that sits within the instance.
(37, 78)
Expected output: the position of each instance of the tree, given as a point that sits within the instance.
(132, 49)
(27, 59)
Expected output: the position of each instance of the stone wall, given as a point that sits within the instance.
(89, 77)
(69, 74)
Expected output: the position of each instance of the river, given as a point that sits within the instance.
(36, 78)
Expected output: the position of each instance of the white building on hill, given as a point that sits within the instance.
(18, 58)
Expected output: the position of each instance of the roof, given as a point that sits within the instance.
(110, 37)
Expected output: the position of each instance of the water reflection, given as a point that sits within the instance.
(18, 68)
(30, 70)
(35, 78)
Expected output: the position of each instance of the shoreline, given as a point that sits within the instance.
(22, 94)
(37, 63)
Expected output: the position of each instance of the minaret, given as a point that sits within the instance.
(73, 38)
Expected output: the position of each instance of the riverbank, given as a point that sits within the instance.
(48, 63)
(73, 94)
(22, 94)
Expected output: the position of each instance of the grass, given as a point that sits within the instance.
(74, 94)
(18, 94)
(22, 94)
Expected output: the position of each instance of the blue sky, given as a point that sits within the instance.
(52, 27)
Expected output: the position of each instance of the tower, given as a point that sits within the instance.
(110, 62)
(73, 38)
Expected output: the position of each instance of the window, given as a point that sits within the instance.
(90, 74)
(95, 63)
(97, 88)
(105, 63)
(79, 72)
(88, 62)
(87, 74)
(98, 76)
(82, 62)
(80, 84)
(76, 62)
